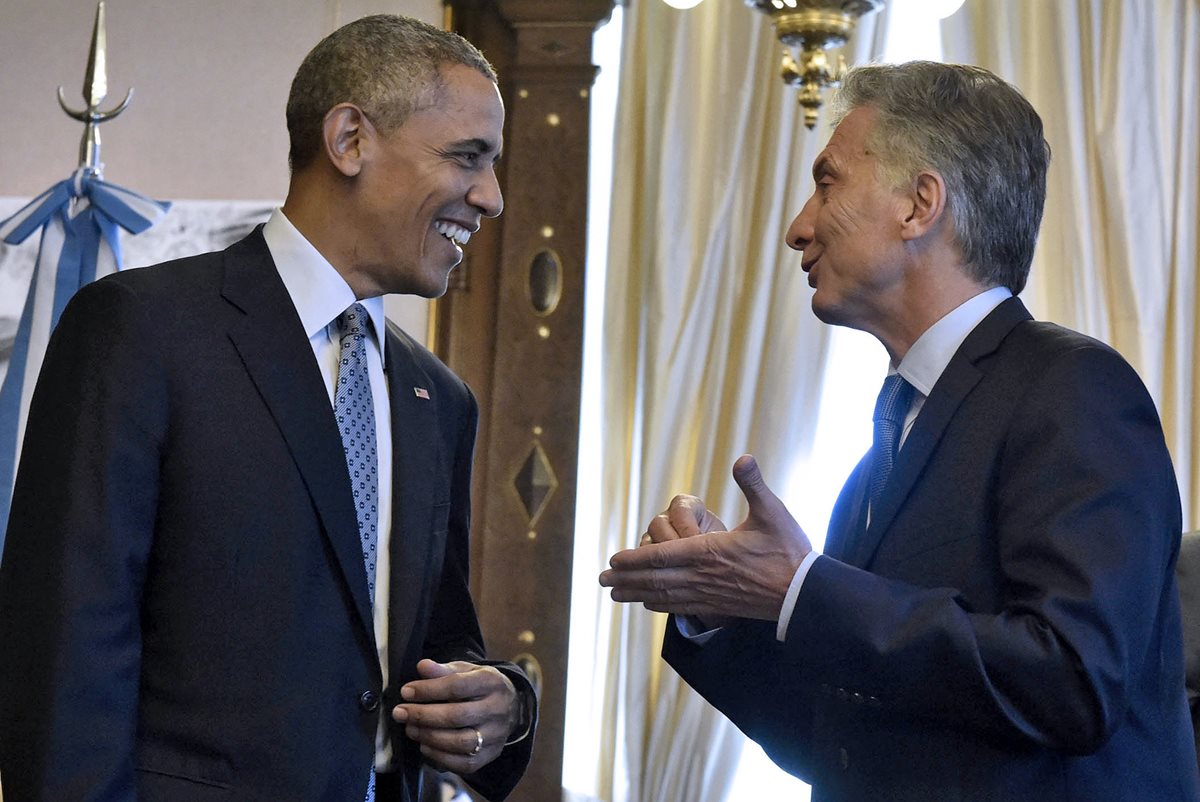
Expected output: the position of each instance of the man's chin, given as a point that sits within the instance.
(436, 282)
(424, 279)
(825, 312)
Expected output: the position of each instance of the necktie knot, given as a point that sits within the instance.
(353, 322)
(894, 399)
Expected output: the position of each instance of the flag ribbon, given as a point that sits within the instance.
(78, 218)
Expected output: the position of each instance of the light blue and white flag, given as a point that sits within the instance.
(78, 219)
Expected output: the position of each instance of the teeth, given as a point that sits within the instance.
(453, 232)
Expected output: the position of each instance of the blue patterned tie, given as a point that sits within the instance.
(354, 408)
(353, 405)
(891, 407)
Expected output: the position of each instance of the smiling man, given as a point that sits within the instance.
(995, 616)
(236, 563)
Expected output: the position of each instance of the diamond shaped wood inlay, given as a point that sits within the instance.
(535, 482)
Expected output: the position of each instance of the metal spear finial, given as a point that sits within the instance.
(95, 89)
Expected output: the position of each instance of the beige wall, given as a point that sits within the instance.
(210, 80)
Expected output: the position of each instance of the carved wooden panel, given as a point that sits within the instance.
(512, 326)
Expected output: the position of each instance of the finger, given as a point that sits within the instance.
(762, 501)
(688, 516)
(461, 750)
(431, 669)
(683, 514)
(459, 763)
(436, 716)
(453, 740)
(447, 682)
(657, 585)
(691, 517)
(681, 551)
(661, 529)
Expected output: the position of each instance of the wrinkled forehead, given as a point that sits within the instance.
(854, 131)
(847, 144)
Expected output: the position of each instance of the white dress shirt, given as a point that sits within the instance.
(320, 295)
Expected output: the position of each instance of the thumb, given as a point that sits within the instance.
(431, 669)
(764, 504)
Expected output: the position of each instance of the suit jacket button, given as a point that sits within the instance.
(843, 759)
(369, 701)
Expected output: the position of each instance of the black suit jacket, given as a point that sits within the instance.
(1187, 571)
(1008, 626)
(183, 603)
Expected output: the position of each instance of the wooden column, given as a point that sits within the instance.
(512, 326)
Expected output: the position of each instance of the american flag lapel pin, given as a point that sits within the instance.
(421, 392)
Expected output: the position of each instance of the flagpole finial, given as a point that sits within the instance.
(95, 89)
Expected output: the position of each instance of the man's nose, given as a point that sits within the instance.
(486, 196)
(800, 232)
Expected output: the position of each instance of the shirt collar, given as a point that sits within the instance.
(924, 363)
(317, 290)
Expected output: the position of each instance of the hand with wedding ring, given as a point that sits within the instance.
(460, 713)
(478, 743)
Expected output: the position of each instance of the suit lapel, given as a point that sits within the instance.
(416, 464)
(952, 388)
(849, 513)
(276, 353)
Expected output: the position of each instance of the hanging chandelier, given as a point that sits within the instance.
(807, 29)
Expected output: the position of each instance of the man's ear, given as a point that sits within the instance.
(345, 133)
(927, 205)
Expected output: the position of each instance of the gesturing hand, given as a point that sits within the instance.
(460, 713)
(744, 572)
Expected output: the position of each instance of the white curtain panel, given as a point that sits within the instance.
(1117, 83)
(710, 348)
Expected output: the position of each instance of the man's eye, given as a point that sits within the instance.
(469, 158)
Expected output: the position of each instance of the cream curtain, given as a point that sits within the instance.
(1117, 83)
(710, 349)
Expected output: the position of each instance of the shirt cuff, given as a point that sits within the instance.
(524, 726)
(793, 592)
(691, 629)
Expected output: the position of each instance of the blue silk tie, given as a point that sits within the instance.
(891, 407)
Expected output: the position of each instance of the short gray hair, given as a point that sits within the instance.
(387, 65)
(981, 135)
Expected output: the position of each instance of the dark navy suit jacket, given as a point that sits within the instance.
(1008, 627)
(183, 604)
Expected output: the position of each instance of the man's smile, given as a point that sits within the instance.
(457, 233)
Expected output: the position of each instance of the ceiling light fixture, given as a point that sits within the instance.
(807, 28)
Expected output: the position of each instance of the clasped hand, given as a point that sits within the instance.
(452, 702)
(688, 565)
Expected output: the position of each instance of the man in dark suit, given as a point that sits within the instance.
(996, 615)
(212, 587)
